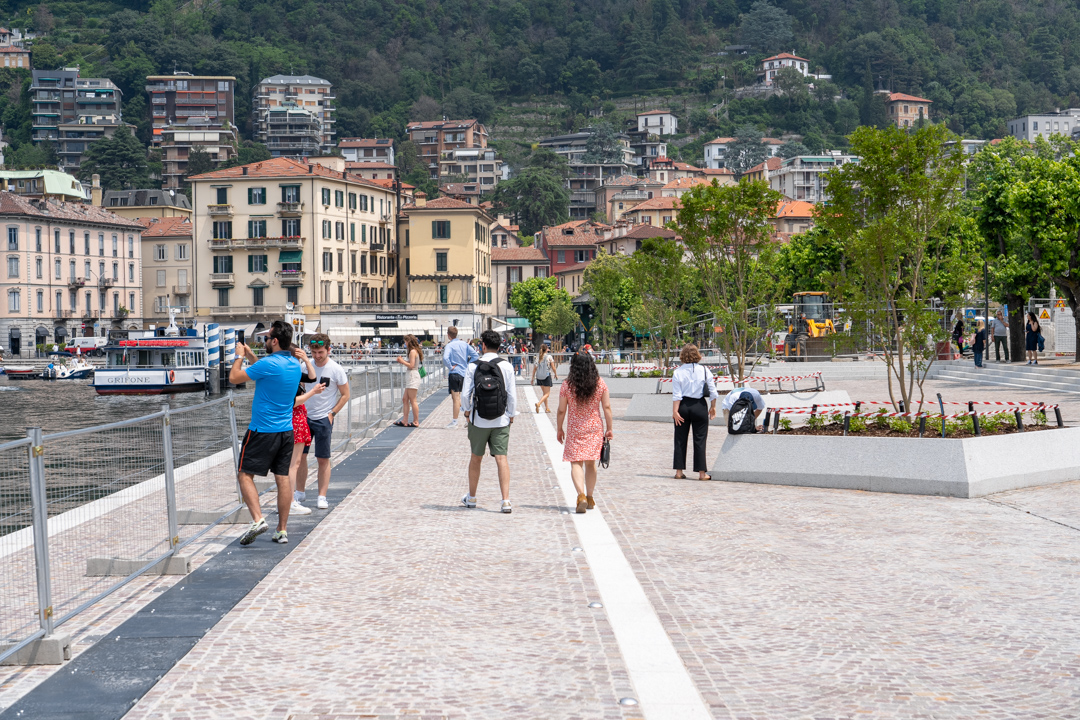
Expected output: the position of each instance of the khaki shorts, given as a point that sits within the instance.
(497, 439)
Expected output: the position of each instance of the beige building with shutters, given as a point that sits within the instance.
(283, 233)
(168, 267)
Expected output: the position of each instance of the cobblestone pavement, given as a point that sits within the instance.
(792, 602)
(402, 603)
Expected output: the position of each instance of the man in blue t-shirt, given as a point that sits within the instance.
(268, 443)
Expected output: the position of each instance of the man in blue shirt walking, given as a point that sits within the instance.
(456, 358)
(268, 443)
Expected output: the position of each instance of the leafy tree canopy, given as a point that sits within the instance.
(536, 197)
(120, 160)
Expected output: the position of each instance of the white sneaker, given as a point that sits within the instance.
(451, 425)
(507, 507)
(468, 501)
(321, 503)
(298, 509)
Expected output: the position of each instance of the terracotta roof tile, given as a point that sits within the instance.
(573, 268)
(459, 189)
(281, 168)
(365, 142)
(717, 171)
(434, 124)
(13, 49)
(794, 208)
(721, 141)
(786, 56)
(441, 203)
(656, 203)
(521, 254)
(581, 232)
(12, 204)
(893, 97)
(165, 227)
(644, 232)
(686, 182)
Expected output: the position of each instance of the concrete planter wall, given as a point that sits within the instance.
(967, 468)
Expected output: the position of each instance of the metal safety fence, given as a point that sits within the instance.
(84, 512)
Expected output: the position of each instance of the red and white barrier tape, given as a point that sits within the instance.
(759, 378)
(879, 414)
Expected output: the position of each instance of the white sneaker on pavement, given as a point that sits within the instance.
(321, 503)
(298, 509)
(468, 501)
(452, 424)
(507, 507)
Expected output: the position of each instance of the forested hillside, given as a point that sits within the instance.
(980, 61)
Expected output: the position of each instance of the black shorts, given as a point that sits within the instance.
(456, 382)
(545, 382)
(321, 430)
(263, 452)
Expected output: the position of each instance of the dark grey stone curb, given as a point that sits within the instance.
(106, 680)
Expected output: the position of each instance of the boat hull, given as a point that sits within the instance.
(123, 381)
(151, 389)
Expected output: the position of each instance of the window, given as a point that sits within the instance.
(290, 227)
(222, 196)
(440, 229)
(257, 263)
(13, 301)
(257, 296)
(339, 198)
(407, 268)
(115, 246)
(161, 278)
(382, 266)
(13, 238)
(352, 201)
(131, 272)
(37, 268)
(290, 193)
(161, 252)
(326, 196)
(340, 293)
(131, 246)
(339, 231)
(181, 277)
(363, 234)
(116, 304)
(326, 229)
(37, 239)
(328, 262)
(444, 292)
(131, 301)
(116, 271)
(352, 263)
(13, 267)
(182, 251)
(71, 242)
(101, 244)
(256, 196)
(560, 256)
(256, 228)
(352, 232)
(440, 262)
(363, 264)
(86, 243)
(58, 268)
(364, 203)
(223, 297)
(223, 230)
(223, 263)
(59, 300)
(581, 256)
(406, 237)
(340, 266)
(292, 295)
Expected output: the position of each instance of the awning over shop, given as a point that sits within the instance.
(517, 322)
(60, 332)
(350, 333)
(41, 332)
(290, 256)
(410, 327)
(311, 326)
(15, 333)
(502, 324)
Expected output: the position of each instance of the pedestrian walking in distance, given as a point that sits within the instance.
(958, 334)
(1001, 336)
(581, 397)
(412, 382)
(322, 411)
(978, 345)
(1031, 339)
(693, 396)
(268, 442)
(456, 357)
(489, 396)
(543, 372)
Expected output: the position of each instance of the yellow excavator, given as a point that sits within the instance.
(812, 317)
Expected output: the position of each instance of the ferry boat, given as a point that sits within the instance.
(145, 364)
(75, 368)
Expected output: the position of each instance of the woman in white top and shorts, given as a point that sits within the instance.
(412, 382)
(543, 372)
(692, 389)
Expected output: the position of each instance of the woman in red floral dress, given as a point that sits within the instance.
(581, 396)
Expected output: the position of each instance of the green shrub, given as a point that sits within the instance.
(880, 421)
(1038, 417)
(837, 418)
(785, 424)
(815, 422)
(900, 425)
(857, 425)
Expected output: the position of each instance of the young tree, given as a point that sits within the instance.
(120, 160)
(892, 212)
(608, 283)
(531, 297)
(559, 318)
(199, 162)
(667, 288)
(745, 151)
(730, 235)
(536, 197)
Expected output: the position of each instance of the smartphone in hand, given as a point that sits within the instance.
(325, 382)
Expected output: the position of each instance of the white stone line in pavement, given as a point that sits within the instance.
(663, 685)
(22, 539)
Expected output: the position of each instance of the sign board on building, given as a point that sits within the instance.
(400, 316)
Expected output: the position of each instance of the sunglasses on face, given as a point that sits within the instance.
(318, 343)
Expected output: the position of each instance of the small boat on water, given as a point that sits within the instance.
(148, 364)
(75, 368)
(20, 372)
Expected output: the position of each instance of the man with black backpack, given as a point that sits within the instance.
(489, 399)
(741, 407)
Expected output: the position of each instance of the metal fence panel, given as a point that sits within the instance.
(18, 587)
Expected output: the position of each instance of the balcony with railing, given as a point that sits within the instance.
(106, 282)
(60, 313)
(221, 279)
(221, 243)
(290, 277)
(181, 289)
(76, 282)
(400, 307)
(582, 199)
(290, 208)
(377, 246)
(292, 242)
(219, 210)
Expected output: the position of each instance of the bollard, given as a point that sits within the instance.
(1057, 414)
(974, 418)
(768, 416)
(941, 404)
(922, 425)
(1019, 421)
(776, 422)
(858, 405)
(847, 422)
(813, 411)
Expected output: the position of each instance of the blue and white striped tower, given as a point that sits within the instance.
(213, 344)
(230, 345)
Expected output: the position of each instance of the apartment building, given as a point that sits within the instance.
(479, 166)
(619, 194)
(367, 150)
(504, 234)
(447, 273)
(293, 115)
(907, 110)
(151, 203)
(716, 150)
(657, 212)
(803, 177)
(770, 67)
(176, 98)
(436, 137)
(278, 233)
(15, 56)
(509, 267)
(168, 266)
(586, 178)
(663, 170)
(72, 112)
(69, 269)
(177, 141)
(1061, 122)
(570, 244)
(793, 217)
(658, 122)
(43, 184)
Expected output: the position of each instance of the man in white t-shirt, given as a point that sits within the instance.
(322, 410)
(755, 396)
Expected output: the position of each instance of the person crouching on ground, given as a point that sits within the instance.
(733, 397)
(490, 395)
(694, 396)
(268, 442)
(581, 396)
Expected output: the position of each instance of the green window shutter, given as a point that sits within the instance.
(250, 228)
(434, 228)
(250, 197)
(251, 261)
(363, 233)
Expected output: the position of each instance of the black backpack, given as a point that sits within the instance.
(741, 416)
(489, 390)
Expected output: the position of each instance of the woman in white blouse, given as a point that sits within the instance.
(693, 394)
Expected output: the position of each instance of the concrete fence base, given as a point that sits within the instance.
(963, 468)
(122, 567)
(204, 517)
(53, 650)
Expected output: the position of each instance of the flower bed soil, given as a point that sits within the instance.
(873, 431)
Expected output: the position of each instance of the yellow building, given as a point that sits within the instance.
(447, 272)
(280, 232)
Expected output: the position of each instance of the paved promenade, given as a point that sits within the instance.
(772, 602)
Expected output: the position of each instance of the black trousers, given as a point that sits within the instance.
(999, 342)
(695, 414)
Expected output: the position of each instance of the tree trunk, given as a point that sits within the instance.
(1016, 328)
